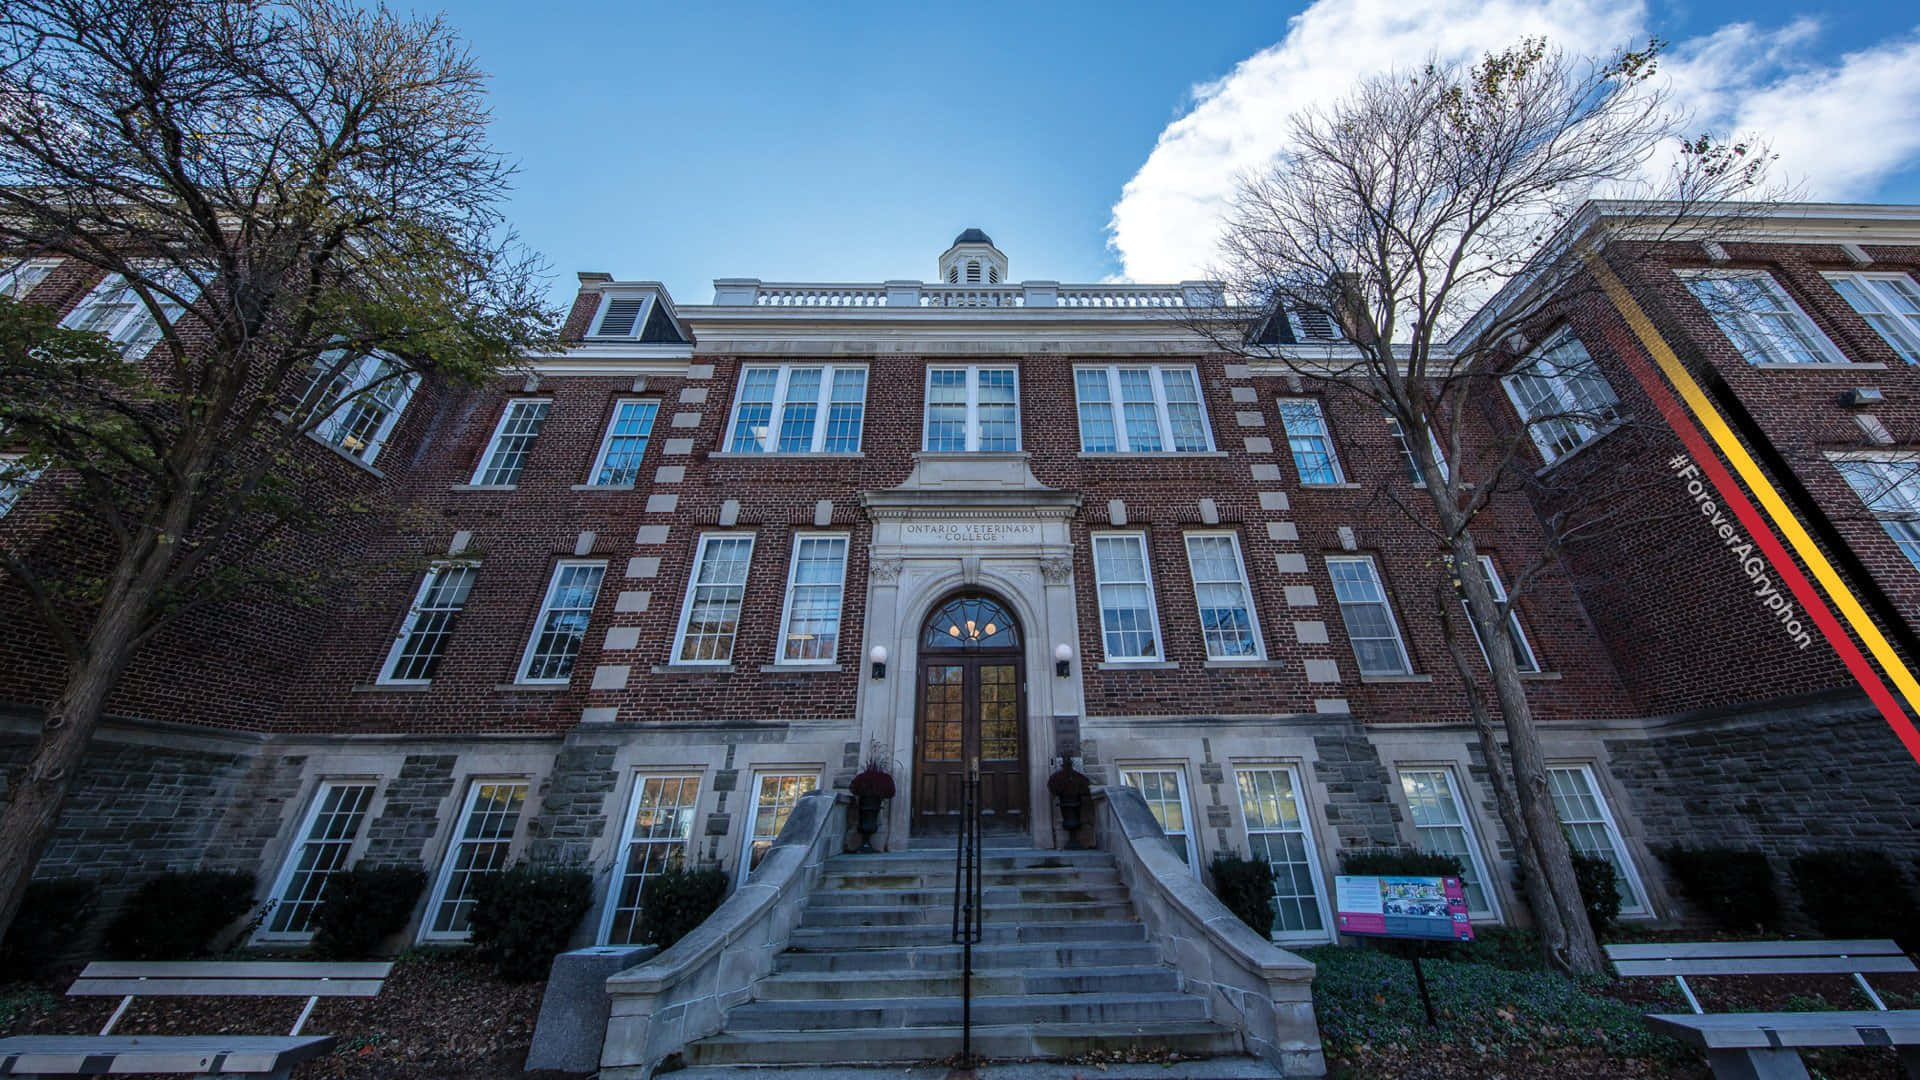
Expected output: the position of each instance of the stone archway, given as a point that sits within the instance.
(970, 713)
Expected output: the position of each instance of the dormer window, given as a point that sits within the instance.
(621, 315)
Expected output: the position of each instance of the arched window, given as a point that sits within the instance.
(973, 271)
(993, 275)
(970, 622)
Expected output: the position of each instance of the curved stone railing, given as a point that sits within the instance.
(684, 993)
(1254, 985)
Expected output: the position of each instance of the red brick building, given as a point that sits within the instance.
(649, 590)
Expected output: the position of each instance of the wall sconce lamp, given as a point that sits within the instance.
(879, 657)
(1062, 657)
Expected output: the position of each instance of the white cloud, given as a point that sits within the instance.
(1838, 127)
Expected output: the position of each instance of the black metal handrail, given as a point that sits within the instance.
(967, 902)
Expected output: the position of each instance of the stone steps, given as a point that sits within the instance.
(871, 974)
(1010, 1041)
(1002, 981)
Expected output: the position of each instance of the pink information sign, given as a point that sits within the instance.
(1430, 908)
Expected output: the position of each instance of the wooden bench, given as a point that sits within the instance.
(271, 1056)
(1766, 1046)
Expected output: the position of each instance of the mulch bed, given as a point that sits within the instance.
(437, 1016)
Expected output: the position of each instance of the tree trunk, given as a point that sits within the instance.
(33, 805)
(1579, 951)
(1546, 914)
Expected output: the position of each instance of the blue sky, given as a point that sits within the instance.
(840, 143)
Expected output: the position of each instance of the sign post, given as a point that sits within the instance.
(1411, 908)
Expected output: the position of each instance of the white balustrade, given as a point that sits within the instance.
(1037, 294)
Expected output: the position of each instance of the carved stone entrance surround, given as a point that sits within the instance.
(970, 521)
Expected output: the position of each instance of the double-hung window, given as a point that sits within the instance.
(659, 827)
(972, 409)
(423, 636)
(488, 820)
(562, 624)
(1129, 623)
(1228, 624)
(710, 614)
(15, 477)
(506, 456)
(1889, 485)
(1759, 317)
(114, 308)
(1522, 649)
(326, 838)
(1165, 792)
(1414, 472)
(18, 280)
(1371, 628)
(1890, 303)
(799, 410)
(354, 404)
(1561, 395)
(811, 622)
(618, 463)
(1140, 410)
(1441, 822)
(1310, 441)
(1278, 832)
(1589, 824)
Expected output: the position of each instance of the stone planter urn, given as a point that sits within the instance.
(1070, 787)
(871, 788)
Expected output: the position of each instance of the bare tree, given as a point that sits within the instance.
(1392, 219)
(297, 212)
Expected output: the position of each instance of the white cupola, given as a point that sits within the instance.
(973, 260)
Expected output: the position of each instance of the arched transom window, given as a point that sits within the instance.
(970, 622)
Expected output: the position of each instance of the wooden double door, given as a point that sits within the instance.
(971, 708)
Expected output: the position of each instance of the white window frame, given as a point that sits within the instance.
(606, 441)
(1386, 604)
(786, 609)
(823, 408)
(359, 375)
(1316, 873)
(14, 481)
(1414, 472)
(1178, 770)
(1895, 505)
(21, 278)
(1745, 329)
(973, 408)
(137, 326)
(1899, 329)
(457, 840)
(693, 584)
(623, 857)
(639, 321)
(1246, 586)
(540, 620)
(1523, 646)
(513, 408)
(760, 776)
(1146, 581)
(412, 621)
(1325, 435)
(1643, 907)
(1116, 410)
(289, 861)
(1570, 419)
(1477, 862)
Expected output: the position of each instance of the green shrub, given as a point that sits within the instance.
(1399, 862)
(1245, 886)
(1599, 891)
(1516, 948)
(1855, 893)
(676, 900)
(522, 917)
(48, 925)
(176, 916)
(363, 906)
(1731, 886)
